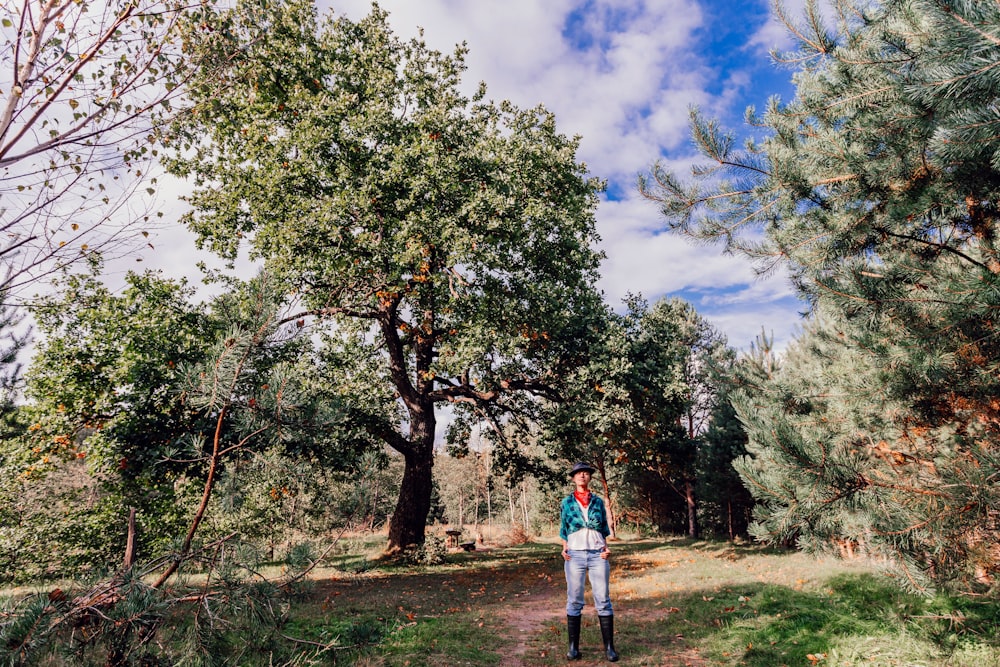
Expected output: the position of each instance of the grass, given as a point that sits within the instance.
(440, 615)
(707, 604)
(678, 602)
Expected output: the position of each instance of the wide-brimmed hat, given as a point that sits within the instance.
(580, 466)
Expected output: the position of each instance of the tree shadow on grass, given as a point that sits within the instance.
(445, 614)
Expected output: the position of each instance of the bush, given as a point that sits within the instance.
(518, 534)
(432, 552)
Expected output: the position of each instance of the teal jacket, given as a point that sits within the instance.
(572, 516)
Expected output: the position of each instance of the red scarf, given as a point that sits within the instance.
(583, 498)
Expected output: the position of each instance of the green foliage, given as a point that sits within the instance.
(432, 552)
(123, 621)
(640, 407)
(854, 471)
(104, 410)
(877, 188)
(144, 400)
(443, 243)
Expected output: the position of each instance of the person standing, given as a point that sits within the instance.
(583, 529)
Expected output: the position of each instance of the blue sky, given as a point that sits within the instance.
(622, 74)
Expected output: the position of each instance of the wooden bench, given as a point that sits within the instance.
(467, 546)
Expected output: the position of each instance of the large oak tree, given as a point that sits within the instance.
(444, 242)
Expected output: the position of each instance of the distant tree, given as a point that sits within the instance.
(640, 407)
(677, 356)
(82, 86)
(706, 359)
(445, 244)
(725, 503)
(877, 186)
(597, 422)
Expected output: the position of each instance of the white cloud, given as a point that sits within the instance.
(761, 291)
(742, 326)
(773, 35)
(642, 258)
(620, 73)
(626, 93)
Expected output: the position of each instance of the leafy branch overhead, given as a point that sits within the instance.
(82, 87)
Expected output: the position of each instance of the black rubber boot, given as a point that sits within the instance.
(573, 630)
(608, 635)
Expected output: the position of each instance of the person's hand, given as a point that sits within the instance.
(565, 554)
(606, 553)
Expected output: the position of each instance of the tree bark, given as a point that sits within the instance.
(510, 501)
(692, 508)
(409, 519)
(130, 540)
(524, 504)
(729, 516)
(612, 519)
(206, 495)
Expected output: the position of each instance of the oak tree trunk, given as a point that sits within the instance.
(409, 519)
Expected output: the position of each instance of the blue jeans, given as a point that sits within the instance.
(581, 563)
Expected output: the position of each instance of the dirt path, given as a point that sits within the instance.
(523, 620)
(544, 609)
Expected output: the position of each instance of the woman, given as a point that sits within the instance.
(583, 530)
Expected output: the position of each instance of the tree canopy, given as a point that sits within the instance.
(448, 240)
(82, 86)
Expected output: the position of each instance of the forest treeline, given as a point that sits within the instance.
(425, 342)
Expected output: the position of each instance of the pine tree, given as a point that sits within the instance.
(877, 187)
(13, 338)
(725, 504)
